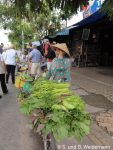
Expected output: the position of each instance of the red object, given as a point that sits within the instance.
(49, 60)
(46, 46)
(83, 8)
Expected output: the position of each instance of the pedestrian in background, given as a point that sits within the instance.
(10, 61)
(1, 48)
(48, 53)
(24, 57)
(4, 54)
(2, 75)
(35, 57)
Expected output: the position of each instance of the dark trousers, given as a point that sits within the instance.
(3, 84)
(10, 70)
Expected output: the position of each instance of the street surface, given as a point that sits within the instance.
(95, 85)
(95, 80)
(14, 133)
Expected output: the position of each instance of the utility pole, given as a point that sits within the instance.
(22, 41)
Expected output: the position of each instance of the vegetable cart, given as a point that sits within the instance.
(56, 111)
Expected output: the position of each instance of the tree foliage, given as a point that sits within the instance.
(108, 8)
(34, 25)
(41, 17)
(15, 36)
(37, 6)
(45, 21)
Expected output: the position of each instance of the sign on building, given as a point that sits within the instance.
(93, 6)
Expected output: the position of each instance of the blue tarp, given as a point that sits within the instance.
(65, 31)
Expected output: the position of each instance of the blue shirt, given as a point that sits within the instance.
(36, 56)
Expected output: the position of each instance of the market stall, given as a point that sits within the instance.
(56, 113)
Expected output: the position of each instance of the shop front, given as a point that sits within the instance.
(92, 41)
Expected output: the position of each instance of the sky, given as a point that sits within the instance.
(75, 19)
(4, 37)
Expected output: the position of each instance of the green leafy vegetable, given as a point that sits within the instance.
(59, 111)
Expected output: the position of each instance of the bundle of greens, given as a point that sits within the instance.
(25, 76)
(55, 109)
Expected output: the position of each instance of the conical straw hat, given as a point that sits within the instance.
(62, 46)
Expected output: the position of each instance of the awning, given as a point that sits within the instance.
(65, 31)
(97, 16)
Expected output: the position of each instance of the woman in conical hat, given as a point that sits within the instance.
(60, 67)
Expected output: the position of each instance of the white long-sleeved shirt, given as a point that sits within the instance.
(10, 58)
(4, 55)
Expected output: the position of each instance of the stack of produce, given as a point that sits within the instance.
(21, 79)
(24, 68)
(25, 76)
(55, 109)
(23, 84)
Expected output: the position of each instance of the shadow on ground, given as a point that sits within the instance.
(37, 141)
(98, 100)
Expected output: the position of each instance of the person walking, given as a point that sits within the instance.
(24, 57)
(10, 62)
(1, 48)
(4, 54)
(60, 67)
(35, 57)
(2, 75)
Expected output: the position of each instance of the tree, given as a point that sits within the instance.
(41, 22)
(38, 5)
(108, 8)
(15, 36)
(42, 16)
(34, 25)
